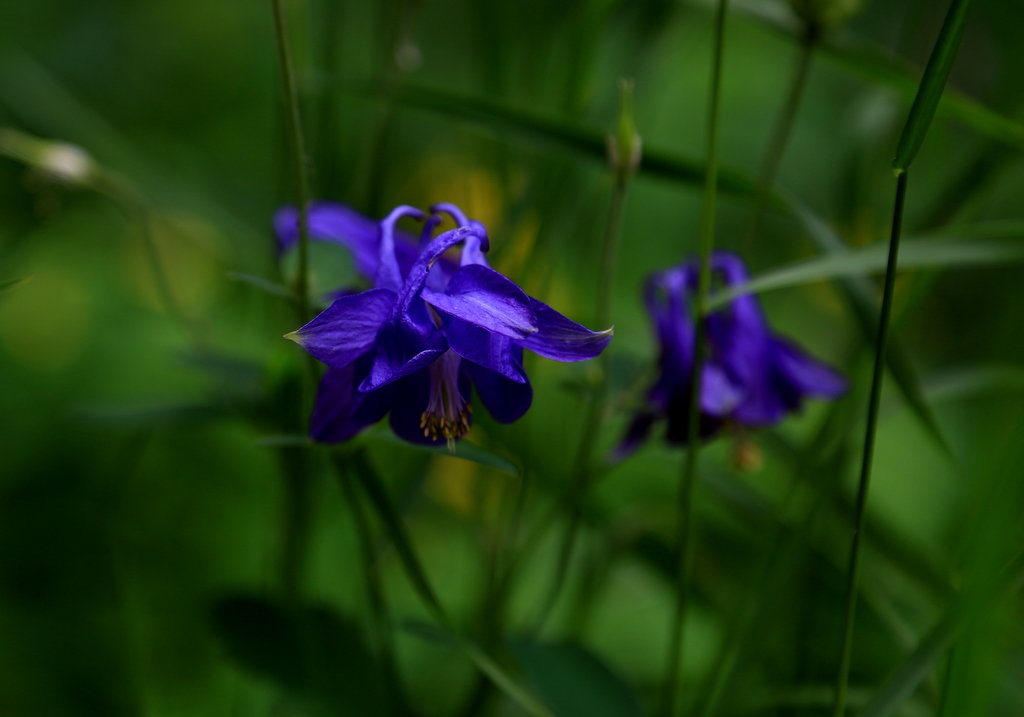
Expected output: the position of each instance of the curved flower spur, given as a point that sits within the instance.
(413, 346)
(751, 376)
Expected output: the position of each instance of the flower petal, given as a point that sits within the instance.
(407, 414)
(485, 298)
(341, 411)
(506, 400)
(678, 429)
(429, 255)
(718, 395)
(637, 432)
(487, 349)
(807, 374)
(336, 223)
(389, 274)
(764, 404)
(562, 339)
(339, 224)
(347, 328)
(399, 352)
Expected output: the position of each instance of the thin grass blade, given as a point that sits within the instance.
(932, 84)
(859, 297)
(581, 140)
(917, 253)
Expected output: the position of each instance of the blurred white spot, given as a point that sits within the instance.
(408, 56)
(66, 162)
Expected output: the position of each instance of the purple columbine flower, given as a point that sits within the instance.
(414, 345)
(334, 223)
(751, 376)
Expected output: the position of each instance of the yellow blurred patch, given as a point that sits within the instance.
(464, 487)
(44, 322)
(448, 177)
(189, 251)
(452, 483)
(517, 247)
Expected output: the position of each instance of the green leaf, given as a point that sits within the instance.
(145, 415)
(8, 284)
(859, 297)
(314, 654)
(429, 633)
(876, 65)
(463, 449)
(278, 440)
(573, 682)
(970, 382)
(968, 606)
(929, 92)
(902, 683)
(270, 287)
(919, 253)
(585, 141)
(395, 528)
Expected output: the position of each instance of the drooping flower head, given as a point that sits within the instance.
(750, 377)
(414, 346)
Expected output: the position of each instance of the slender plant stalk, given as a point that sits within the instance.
(294, 463)
(684, 537)
(328, 159)
(376, 599)
(73, 165)
(781, 132)
(300, 159)
(392, 521)
(915, 129)
(297, 498)
(610, 252)
(778, 565)
(390, 22)
(584, 470)
(947, 682)
(138, 210)
(498, 566)
(864, 482)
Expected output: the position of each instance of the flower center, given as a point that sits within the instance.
(447, 414)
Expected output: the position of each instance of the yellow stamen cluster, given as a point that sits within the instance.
(436, 426)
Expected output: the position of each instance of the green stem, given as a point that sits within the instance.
(297, 494)
(947, 681)
(296, 520)
(389, 516)
(328, 150)
(684, 539)
(582, 477)
(778, 564)
(390, 21)
(376, 599)
(781, 133)
(853, 566)
(300, 159)
(609, 254)
(138, 210)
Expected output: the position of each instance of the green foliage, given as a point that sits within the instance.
(317, 657)
(929, 92)
(171, 541)
(573, 682)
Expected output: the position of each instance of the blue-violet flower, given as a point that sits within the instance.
(414, 345)
(750, 377)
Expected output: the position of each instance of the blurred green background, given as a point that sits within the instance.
(138, 486)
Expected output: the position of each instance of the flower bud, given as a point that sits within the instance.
(66, 162)
(624, 146)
